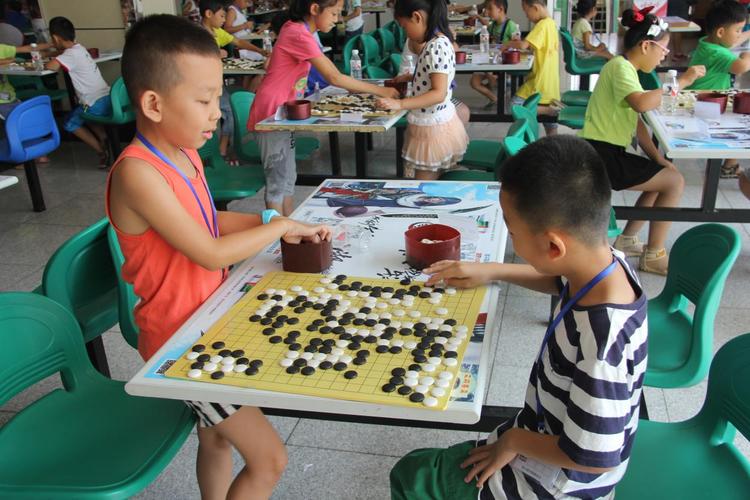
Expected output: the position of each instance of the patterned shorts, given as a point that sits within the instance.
(210, 414)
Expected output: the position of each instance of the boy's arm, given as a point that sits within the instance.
(472, 274)
(228, 24)
(691, 75)
(244, 44)
(25, 49)
(741, 64)
(648, 146)
(53, 65)
(232, 222)
(356, 12)
(644, 101)
(517, 44)
(332, 75)
(140, 193)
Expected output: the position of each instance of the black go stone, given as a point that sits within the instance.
(450, 321)
(316, 341)
(398, 372)
(318, 307)
(405, 281)
(325, 329)
(404, 390)
(203, 358)
(445, 335)
(318, 322)
(366, 288)
(347, 315)
(382, 349)
(417, 352)
(292, 370)
(388, 289)
(340, 277)
(262, 296)
(198, 348)
(311, 348)
(354, 346)
(282, 317)
(420, 326)
(363, 353)
(365, 310)
(243, 361)
(371, 339)
(416, 397)
(251, 370)
(375, 294)
(435, 354)
(299, 362)
(277, 309)
(330, 318)
(390, 330)
(396, 380)
(370, 322)
(433, 332)
(450, 354)
(343, 288)
(293, 303)
(325, 349)
(329, 342)
(301, 298)
(257, 363)
(217, 375)
(419, 333)
(359, 361)
(275, 339)
(197, 365)
(358, 322)
(415, 367)
(389, 388)
(238, 353)
(344, 321)
(395, 349)
(415, 288)
(277, 297)
(384, 321)
(424, 295)
(272, 314)
(218, 345)
(344, 335)
(424, 345)
(295, 347)
(294, 333)
(308, 370)
(268, 331)
(420, 359)
(311, 328)
(289, 340)
(299, 310)
(307, 304)
(405, 332)
(325, 365)
(277, 324)
(386, 336)
(351, 374)
(339, 366)
(266, 321)
(356, 285)
(255, 318)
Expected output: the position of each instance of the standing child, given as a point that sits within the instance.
(501, 29)
(573, 437)
(612, 117)
(91, 89)
(213, 17)
(435, 139)
(583, 33)
(295, 51)
(545, 71)
(353, 18)
(177, 247)
(724, 24)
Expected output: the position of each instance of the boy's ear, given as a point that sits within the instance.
(151, 106)
(314, 9)
(556, 245)
(720, 32)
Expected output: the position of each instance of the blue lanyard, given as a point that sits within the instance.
(214, 230)
(564, 308)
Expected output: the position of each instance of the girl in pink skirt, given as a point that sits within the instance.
(435, 138)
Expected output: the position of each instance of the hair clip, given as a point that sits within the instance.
(640, 15)
(655, 29)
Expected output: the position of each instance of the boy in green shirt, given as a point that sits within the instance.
(724, 24)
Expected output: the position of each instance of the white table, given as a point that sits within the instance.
(681, 136)
(7, 181)
(479, 208)
(680, 25)
(110, 55)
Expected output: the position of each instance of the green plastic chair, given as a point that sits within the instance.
(386, 40)
(576, 97)
(649, 81)
(613, 231)
(395, 61)
(126, 297)
(225, 182)
(399, 35)
(346, 55)
(575, 65)
(680, 342)
(89, 440)
(529, 111)
(122, 113)
(369, 51)
(697, 459)
(248, 150)
(481, 154)
(572, 116)
(81, 277)
(27, 87)
(376, 72)
(510, 146)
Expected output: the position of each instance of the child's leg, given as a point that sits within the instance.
(252, 435)
(280, 169)
(89, 138)
(476, 84)
(662, 190)
(744, 183)
(730, 169)
(426, 175)
(227, 122)
(433, 473)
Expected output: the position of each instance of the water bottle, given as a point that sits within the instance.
(316, 93)
(484, 40)
(36, 58)
(355, 64)
(473, 11)
(670, 91)
(267, 42)
(408, 66)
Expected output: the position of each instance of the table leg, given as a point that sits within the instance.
(500, 94)
(711, 185)
(333, 144)
(360, 145)
(71, 90)
(377, 19)
(35, 187)
(400, 132)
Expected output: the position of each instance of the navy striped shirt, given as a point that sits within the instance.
(590, 388)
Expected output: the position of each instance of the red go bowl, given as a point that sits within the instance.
(420, 255)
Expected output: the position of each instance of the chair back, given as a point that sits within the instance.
(649, 81)
(395, 62)
(520, 130)
(569, 51)
(528, 112)
(376, 72)
(126, 297)
(613, 231)
(699, 264)
(81, 277)
(510, 146)
(122, 109)
(387, 41)
(240, 102)
(346, 54)
(369, 50)
(31, 131)
(45, 340)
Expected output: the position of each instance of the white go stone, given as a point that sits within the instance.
(397, 343)
(336, 350)
(399, 313)
(319, 356)
(462, 328)
(325, 296)
(408, 324)
(436, 295)
(438, 392)
(345, 303)
(382, 305)
(352, 293)
(411, 382)
(434, 360)
(421, 388)
(332, 323)
(429, 401)
(428, 368)
(441, 340)
(385, 315)
(379, 326)
(387, 295)
(394, 302)
(338, 296)
(446, 328)
(442, 311)
(445, 375)
(426, 320)
(240, 368)
(281, 292)
(306, 356)
(364, 295)
(295, 288)
(325, 281)
(426, 380)
(363, 331)
(360, 315)
(373, 316)
(346, 359)
(383, 342)
(216, 359)
(333, 286)
(434, 301)
(332, 358)
(271, 291)
(351, 330)
(450, 361)
(410, 344)
(314, 363)
(319, 289)
(227, 368)
(411, 374)
(444, 383)
(292, 354)
(209, 367)
(192, 355)
(342, 343)
(229, 360)
(194, 373)
(450, 291)
(415, 314)
(394, 324)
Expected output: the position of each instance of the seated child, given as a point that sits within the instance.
(353, 18)
(213, 16)
(91, 89)
(574, 434)
(583, 34)
(724, 24)
(237, 24)
(501, 29)
(177, 247)
(545, 70)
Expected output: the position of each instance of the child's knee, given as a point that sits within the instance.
(210, 440)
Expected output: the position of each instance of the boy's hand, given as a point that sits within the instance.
(389, 104)
(299, 231)
(695, 72)
(488, 459)
(388, 93)
(458, 274)
(223, 53)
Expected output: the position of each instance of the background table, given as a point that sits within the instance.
(680, 136)
(7, 181)
(477, 216)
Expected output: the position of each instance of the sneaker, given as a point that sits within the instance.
(730, 171)
(629, 245)
(654, 261)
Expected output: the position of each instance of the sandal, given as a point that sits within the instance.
(232, 162)
(654, 261)
(490, 105)
(631, 246)
(730, 171)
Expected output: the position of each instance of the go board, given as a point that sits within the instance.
(362, 339)
(334, 105)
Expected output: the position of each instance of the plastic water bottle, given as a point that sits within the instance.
(473, 11)
(670, 91)
(408, 66)
(355, 64)
(316, 93)
(36, 58)
(484, 40)
(267, 42)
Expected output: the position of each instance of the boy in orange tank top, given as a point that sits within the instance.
(176, 245)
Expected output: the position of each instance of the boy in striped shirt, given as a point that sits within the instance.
(574, 434)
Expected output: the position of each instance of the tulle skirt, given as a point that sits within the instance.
(434, 147)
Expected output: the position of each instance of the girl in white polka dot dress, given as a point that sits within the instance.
(435, 138)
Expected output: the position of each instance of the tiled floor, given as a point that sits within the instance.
(332, 460)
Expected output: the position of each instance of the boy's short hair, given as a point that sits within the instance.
(151, 47)
(560, 182)
(531, 3)
(724, 14)
(213, 5)
(62, 27)
(583, 7)
(501, 4)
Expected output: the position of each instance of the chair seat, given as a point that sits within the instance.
(572, 116)
(481, 153)
(468, 175)
(588, 66)
(576, 97)
(97, 315)
(233, 183)
(53, 441)
(679, 450)
(669, 350)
